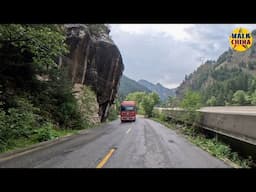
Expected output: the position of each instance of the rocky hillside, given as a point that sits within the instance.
(222, 78)
(200, 78)
(128, 85)
(94, 60)
(54, 79)
(162, 91)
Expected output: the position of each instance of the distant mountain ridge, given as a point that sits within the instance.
(127, 85)
(162, 91)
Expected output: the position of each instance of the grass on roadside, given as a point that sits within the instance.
(46, 132)
(212, 146)
(36, 138)
(169, 125)
(42, 134)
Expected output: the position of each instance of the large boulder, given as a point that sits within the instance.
(94, 61)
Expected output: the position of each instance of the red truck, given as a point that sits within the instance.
(128, 111)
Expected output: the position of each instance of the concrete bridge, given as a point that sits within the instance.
(238, 122)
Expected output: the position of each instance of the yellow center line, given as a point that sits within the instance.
(105, 159)
(128, 130)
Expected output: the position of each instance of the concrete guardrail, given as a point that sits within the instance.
(235, 122)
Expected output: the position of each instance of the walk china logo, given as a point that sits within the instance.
(240, 39)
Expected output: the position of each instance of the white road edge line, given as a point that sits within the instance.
(128, 130)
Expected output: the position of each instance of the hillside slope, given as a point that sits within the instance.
(222, 78)
(128, 85)
(162, 91)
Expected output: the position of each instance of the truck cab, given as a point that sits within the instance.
(128, 111)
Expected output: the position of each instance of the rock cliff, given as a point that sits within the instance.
(95, 61)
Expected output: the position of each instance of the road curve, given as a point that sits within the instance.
(141, 144)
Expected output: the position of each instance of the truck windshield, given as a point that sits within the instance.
(127, 108)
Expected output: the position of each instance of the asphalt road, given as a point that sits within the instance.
(141, 144)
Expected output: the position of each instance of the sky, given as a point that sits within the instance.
(165, 53)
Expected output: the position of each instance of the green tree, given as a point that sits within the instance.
(135, 96)
(145, 101)
(191, 102)
(252, 85)
(172, 101)
(148, 103)
(155, 97)
(229, 97)
(240, 98)
(253, 98)
(138, 97)
(212, 101)
(42, 42)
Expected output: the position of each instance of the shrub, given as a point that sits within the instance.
(163, 117)
(113, 114)
(240, 97)
(45, 132)
(88, 106)
(20, 121)
(17, 122)
(191, 102)
(160, 115)
(148, 102)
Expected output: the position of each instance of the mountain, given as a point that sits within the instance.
(219, 80)
(162, 91)
(128, 85)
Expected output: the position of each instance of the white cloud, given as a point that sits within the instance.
(170, 85)
(176, 31)
(165, 53)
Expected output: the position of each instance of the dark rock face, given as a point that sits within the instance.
(94, 62)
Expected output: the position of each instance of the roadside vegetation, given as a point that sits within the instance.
(37, 102)
(114, 111)
(186, 125)
(145, 102)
